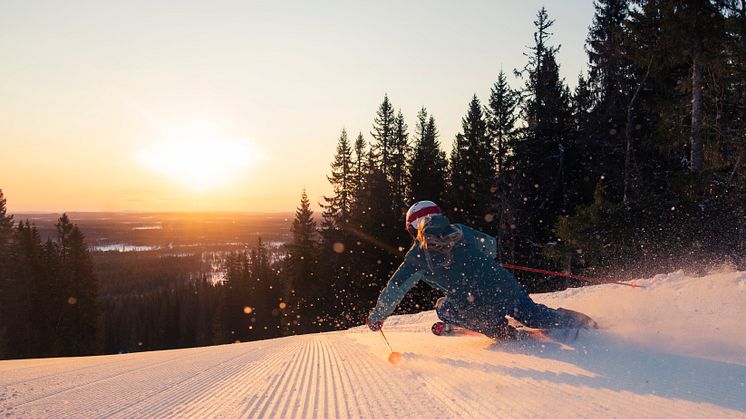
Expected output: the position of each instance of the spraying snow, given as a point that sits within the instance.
(698, 317)
(674, 348)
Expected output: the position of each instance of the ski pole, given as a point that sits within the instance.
(394, 357)
(583, 278)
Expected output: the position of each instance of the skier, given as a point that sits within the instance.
(479, 292)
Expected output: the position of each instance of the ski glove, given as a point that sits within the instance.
(374, 326)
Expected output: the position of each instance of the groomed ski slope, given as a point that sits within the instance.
(676, 348)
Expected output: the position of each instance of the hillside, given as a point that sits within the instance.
(675, 348)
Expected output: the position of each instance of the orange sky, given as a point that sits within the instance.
(246, 98)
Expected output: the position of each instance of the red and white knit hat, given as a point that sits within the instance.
(420, 210)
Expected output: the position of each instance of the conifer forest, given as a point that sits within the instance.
(641, 167)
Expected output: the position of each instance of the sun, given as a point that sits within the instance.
(199, 156)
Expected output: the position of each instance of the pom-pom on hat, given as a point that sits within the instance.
(418, 211)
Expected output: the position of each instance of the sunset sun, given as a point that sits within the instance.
(199, 157)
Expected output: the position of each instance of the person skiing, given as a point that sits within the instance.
(460, 261)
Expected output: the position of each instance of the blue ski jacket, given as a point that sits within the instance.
(465, 270)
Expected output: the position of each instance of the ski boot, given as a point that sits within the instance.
(442, 329)
(578, 320)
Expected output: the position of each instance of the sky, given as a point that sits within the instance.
(236, 105)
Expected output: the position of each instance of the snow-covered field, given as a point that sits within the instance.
(676, 348)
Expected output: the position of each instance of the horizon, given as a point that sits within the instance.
(149, 212)
(227, 107)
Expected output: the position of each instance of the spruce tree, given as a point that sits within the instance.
(428, 168)
(589, 160)
(609, 67)
(384, 137)
(472, 169)
(378, 240)
(606, 96)
(501, 115)
(541, 153)
(77, 300)
(731, 120)
(338, 206)
(8, 307)
(268, 294)
(696, 33)
(6, 226)
(35, 278)
(386, 177)
(359, 167)
(374, 230)
(303, 260)
(347, 178)
(654, 86)
(84, 300)
(582, 106)
(399, 156)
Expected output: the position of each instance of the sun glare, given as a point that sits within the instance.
(199, 157)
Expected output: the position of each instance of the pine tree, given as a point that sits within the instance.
(472, 169)
(61, 278)
(337, 207)
(77, 302)
(359, 168)
(375, 225)
(384, 137)
(386, 176)
(36, 296)
(501, 115)
(606, 96)
(399, 156)
(602, 119)
(303, 260)
(428, 168)
(675, 43)
(7, 297)
(697, 29)
(236, 310)
(609, 68)
(6, 225)
(303, 247)
(590, 158)
(84, 298)
(731, 121)
(348, 175)
(654, 87)
(540, 155)
(373, 230)
(267, 295)
(582, 106)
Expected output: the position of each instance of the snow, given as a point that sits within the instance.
(675, 348)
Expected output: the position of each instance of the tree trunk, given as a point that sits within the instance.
(628, 135)
(697, 159)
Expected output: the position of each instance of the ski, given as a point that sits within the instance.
(520, 333)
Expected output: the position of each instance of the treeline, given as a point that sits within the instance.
(48, 294)
(636, 170)
(126, 273)
(50, 304)
(249, 305)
